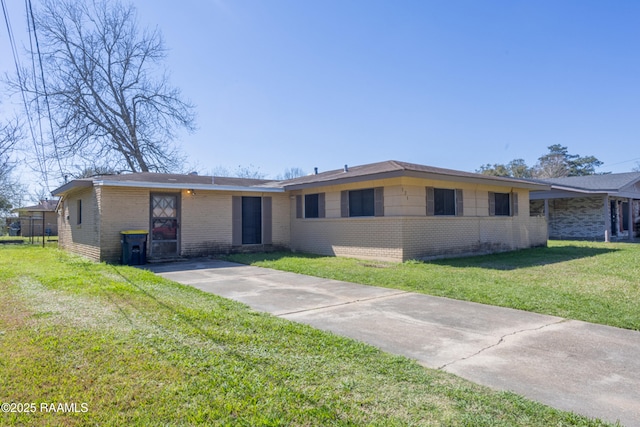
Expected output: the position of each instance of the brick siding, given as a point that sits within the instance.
(84, 238)
(405, 232)
(206, 222)
(577, 218)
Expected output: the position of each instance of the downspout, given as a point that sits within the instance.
(630, 218)
(546, 215)
(607, 219)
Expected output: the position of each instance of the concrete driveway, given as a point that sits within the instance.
(589, 369)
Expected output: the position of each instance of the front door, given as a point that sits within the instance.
(164, 218)
(251, 220)
(625, 216)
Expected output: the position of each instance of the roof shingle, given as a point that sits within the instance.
(608, 182)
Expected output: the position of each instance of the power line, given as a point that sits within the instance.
(44, 84)
(16, 61)
(620, 163)
(35, 84)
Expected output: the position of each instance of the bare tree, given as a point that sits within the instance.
(251, 171)
(10, 134)
(552, 165)
(291, 173)
(10, 189)
(221, 171)
(94, 170)
(109, 99)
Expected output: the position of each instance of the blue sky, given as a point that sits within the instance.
(454, 84)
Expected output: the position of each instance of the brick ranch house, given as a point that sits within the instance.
(593, 207)
(383, 211)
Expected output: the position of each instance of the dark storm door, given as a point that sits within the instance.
(614, 218)
(164, 216)
(625, 216)
(251, 220)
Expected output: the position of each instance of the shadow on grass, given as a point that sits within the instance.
(188, 264)
(500, 261)
(525, 258)
(221, 261)
(513, 260)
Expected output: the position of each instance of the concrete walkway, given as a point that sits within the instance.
(589, 369)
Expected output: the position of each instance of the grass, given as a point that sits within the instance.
(593, 282)
(21, 239)
(6, 237)
(140, 350)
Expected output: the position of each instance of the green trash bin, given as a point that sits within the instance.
(134, 247)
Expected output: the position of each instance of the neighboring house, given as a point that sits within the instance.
(34, 220)
(593, 207)
(386, 211)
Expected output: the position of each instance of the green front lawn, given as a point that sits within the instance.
(593, 282)
(121, 346)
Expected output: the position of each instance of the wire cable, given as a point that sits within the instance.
(16, 62)
(44, 84)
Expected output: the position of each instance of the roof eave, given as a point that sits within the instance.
(183, 186)
(561, 191)
(479, 179)
(482, 179)
(71, 186)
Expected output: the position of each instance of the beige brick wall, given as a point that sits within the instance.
(407, 196)
(120, 209)
(366, 237)
(405, 232)
(432, 237)
(206, 221)
(82, 239)
(403, 238)
(281, 220)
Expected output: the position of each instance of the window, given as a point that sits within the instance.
(444, 202)
(369, 202)
(503, 204)
(361, 203)
(79, 212)
(311, 206)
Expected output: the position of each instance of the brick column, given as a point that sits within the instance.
(546, 215)
(630, 219)
(607, 219)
